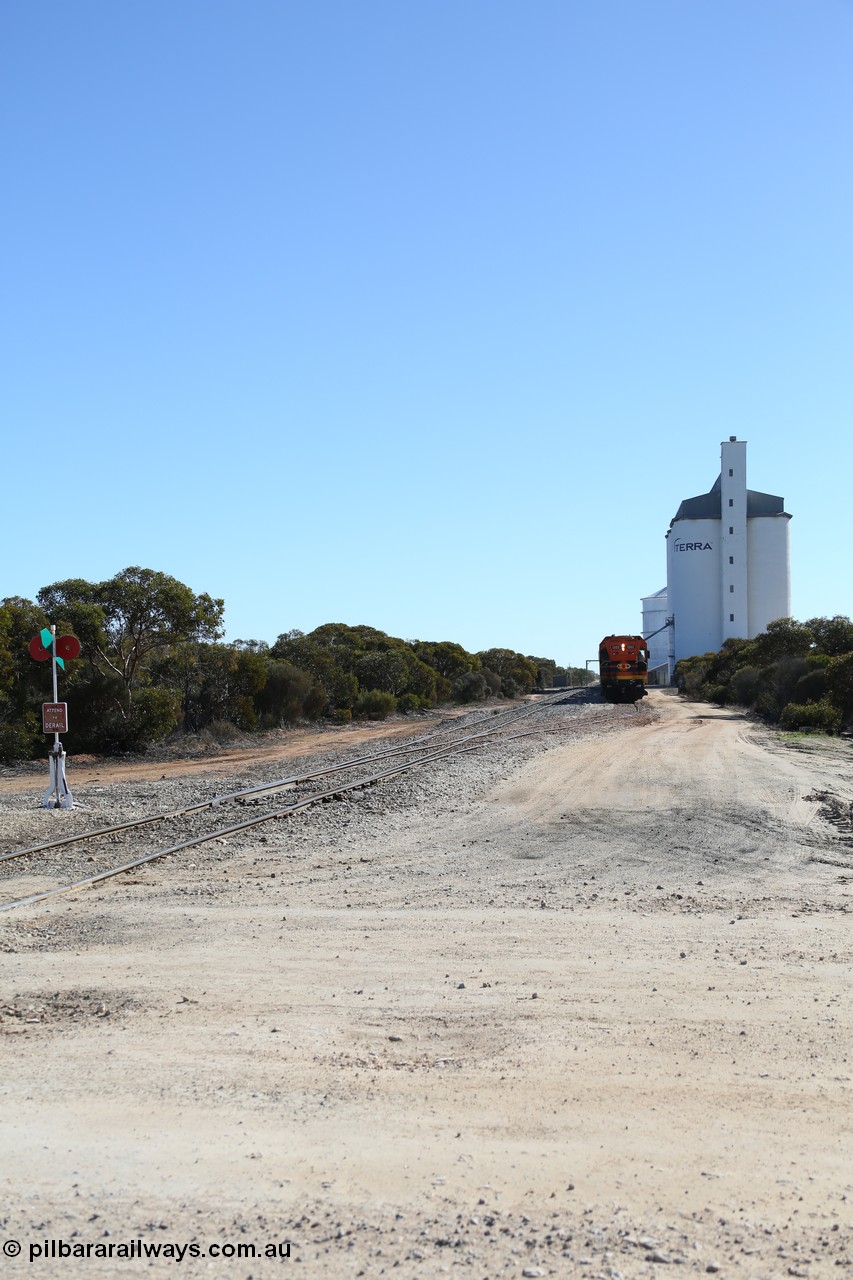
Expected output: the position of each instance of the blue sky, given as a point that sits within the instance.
(419, 314)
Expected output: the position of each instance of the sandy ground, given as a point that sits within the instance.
(217, 761)
(590, 1019)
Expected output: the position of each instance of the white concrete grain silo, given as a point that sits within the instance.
(658, 634)
(727, 562)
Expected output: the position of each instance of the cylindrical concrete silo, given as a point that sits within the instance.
(693, 584)
(656, 633)
(768, 558)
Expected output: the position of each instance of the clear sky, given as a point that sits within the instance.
(424, 314)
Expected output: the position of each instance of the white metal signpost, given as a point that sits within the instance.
(54, 715)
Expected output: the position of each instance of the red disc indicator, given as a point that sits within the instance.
(38, 651)
(68, 647)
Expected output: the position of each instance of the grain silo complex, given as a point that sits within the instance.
(727, 568)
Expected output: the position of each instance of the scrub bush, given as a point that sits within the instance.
(374, 704)
(822, 716)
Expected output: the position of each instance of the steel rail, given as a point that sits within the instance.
(215, 801)
(212, 803)
(305, 803)
(260, 788)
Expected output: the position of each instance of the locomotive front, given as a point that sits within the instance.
(623, 665)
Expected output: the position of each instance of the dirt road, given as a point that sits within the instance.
(577, 1009)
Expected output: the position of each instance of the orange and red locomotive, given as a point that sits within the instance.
(623, 667)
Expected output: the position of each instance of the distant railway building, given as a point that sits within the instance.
(727, 569)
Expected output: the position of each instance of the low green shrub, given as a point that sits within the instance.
(374, 704)
(408, 702)
(822, 716)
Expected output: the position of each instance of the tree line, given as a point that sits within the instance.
(153, 663)
(798, 675)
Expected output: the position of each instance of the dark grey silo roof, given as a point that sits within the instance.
(708, 506)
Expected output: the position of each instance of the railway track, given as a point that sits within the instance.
(100, 845)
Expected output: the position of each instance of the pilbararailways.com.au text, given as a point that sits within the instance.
(48, 1250)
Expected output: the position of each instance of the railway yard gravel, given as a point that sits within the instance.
(574, 1003)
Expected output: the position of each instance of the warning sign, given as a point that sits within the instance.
(54, 717)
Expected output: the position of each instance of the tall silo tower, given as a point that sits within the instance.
(728, 561)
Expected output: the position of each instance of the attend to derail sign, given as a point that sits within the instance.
(54, 717)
